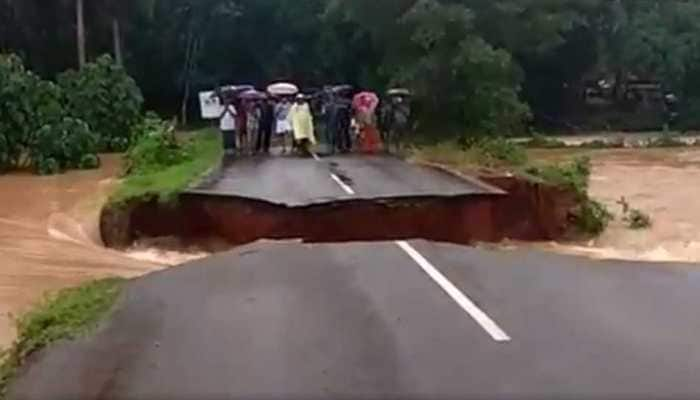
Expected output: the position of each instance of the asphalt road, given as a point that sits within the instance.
(294, 181)
(408, 320)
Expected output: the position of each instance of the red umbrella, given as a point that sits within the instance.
(365, 102)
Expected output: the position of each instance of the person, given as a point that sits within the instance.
(267, 121)
(396, 115)
(302, 124)
(343, 120)
(241, 125)
(365, 105)
(252, 124)
(282, 125)
(227, 125)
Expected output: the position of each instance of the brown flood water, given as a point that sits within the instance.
(660, 182)
(49, 238)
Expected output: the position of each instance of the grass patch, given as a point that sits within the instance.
(67, 314)
(161, 169)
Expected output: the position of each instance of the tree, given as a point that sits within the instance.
(80, 31)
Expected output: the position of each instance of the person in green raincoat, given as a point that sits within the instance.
(302, 124)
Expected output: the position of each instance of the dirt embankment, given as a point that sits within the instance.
(528, 211)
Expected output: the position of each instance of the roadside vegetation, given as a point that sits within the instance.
(487, 155)
(161, 163)
(67, 314)
(51, 127)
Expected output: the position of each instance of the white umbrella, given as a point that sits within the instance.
(283, 89)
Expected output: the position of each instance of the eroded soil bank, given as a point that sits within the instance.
(528, 212)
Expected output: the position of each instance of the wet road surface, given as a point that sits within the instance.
(410, 320)
(295, 181)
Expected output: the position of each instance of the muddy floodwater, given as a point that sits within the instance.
(49, 238)
(662, 183)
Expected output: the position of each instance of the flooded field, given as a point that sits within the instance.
(49, 238)
(660, 182)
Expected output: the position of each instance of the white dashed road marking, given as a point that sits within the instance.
(460, 298)
(342, 184)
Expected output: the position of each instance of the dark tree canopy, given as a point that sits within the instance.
(480, 65)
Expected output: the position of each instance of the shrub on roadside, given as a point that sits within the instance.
(107, 98)
(157, 148)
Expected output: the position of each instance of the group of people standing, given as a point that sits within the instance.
(250, 120)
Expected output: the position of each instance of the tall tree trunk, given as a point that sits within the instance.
(79, 16)
(116, 34)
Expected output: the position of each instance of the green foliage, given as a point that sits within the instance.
(66, 315)
(26, 104)
(592, 217)
(66, 144)
(574, 175)
(34, 127)
(107, 98)
(203, 151)
(156, 149)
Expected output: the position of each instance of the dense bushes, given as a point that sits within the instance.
(26, 105)
(107, 98)
(66, 144)
(53, 127)
(155, 149)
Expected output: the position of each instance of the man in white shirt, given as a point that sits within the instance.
(227, 125)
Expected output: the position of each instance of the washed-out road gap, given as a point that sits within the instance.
(479, 316)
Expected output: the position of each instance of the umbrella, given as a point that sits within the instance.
(283, 89)
(365, 102)
(230, 92)
(252, 94)
(341, 88)
(398, 92)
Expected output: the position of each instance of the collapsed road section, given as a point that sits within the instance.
(288, 198)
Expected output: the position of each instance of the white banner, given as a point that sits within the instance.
(210, 105)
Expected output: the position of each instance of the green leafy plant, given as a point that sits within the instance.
(26, 104)
(107, 98)
(592, 217)
(66, 144)
(157, 148)
(574, 175)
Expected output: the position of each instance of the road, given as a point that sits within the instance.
(409, 320)
(294, 181)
